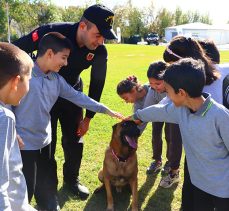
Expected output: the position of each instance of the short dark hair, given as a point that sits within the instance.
(156, 70)
(54, 41)
(13, 62)
(211, 50)
(187, 74)
(185, 47)
(87, 22)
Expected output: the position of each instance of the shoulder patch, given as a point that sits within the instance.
(90, 56)
(35, 36)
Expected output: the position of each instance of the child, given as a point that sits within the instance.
(183, 47)
(15, 72)
(172, 133)
(141, 96)
(33, 118)
(218, 94)
(204, 129)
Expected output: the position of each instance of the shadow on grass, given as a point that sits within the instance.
(145, 188)
(161, 200)
(63, 196)
(98, 201)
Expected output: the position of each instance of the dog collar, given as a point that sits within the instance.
(119, 159)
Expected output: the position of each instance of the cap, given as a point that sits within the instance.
(103, 18)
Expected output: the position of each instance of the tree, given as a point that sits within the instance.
(3, 21)
(130, 20)
(164, 19)
(179, 16)
(121, 20)
(136, 25)
(47, 13)
(149, 15)
(23, 13)
(195, 16)
(72, 14)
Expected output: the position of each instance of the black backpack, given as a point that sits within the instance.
(226, 91)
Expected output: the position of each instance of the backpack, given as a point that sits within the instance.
(226, 91)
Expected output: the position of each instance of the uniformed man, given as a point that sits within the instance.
(87, 37)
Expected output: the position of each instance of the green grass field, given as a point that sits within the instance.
(123, 60)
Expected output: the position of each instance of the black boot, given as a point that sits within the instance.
(50, 204)
(78, 189)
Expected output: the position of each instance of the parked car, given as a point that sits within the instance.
(152, 38)
(134, 39)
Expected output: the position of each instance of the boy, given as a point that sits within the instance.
(15, 72)
(33, 118)
(204, 130)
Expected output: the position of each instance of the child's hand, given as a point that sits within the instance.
(127, 118)
(138, 122)
(115, 114)
(20, 142)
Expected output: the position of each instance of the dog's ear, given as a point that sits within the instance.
(114, 127)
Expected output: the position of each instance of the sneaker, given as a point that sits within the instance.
(154, 167)
(166, 169)
(169, 180)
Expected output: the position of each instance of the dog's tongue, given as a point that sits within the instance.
(132, 142)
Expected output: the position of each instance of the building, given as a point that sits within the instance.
(218, 33)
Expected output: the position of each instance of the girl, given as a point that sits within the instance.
(172, 132)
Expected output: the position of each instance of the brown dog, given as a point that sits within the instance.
(120, 163)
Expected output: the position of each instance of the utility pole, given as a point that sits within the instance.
(8, 21)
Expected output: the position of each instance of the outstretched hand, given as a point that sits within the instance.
(138, 122)
(115, 114)
(127, 118)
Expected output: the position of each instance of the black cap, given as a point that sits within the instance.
(103, 18)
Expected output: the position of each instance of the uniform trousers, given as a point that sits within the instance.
(173, 140)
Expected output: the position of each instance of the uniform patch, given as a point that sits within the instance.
(90, 56)
(35, 36)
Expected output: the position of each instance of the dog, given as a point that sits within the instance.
(120, 167)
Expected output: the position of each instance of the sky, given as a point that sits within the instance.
(216, 9)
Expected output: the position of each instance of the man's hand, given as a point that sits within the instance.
(20, 142)
(83, 127)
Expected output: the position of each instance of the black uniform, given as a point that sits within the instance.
(67, 113)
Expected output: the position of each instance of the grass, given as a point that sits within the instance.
(123, 60)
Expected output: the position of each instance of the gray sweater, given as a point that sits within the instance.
(13, 193)
(205, 136)
(32, 115)
(151, 98)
